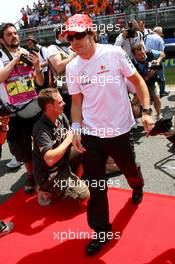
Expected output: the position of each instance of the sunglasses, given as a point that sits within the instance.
(76, 36)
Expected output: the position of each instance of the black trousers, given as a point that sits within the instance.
(121, 149)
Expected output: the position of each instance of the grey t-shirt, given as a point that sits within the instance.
(48, 136)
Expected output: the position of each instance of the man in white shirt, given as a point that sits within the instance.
(102, 118)
(128, 37)
(18, 71)
(145, 31)
(32, 44)
(59, 54)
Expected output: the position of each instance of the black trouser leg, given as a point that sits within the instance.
(94, 162)
(122, 151)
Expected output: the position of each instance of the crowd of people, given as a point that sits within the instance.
(68, 149)
(47, 12)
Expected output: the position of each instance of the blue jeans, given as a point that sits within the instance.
(161, 80)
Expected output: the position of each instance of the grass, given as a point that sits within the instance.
(170, 75)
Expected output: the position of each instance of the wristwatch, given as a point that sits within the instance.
(146, 111)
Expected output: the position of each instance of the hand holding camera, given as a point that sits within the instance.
(130, 31)
(32, 58)
(164, 126)
(150, 74)
(152, 68)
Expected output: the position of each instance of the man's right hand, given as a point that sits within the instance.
(149, 75)
(18, 55)
(76, 142)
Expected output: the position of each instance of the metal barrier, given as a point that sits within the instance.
(164, 17)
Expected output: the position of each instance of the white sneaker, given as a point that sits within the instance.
(13, 163)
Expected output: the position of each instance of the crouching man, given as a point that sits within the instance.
(51, 154)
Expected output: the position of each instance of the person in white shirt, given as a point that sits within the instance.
(102, 118)
(32, 44)
(145, 31)
(128, 37)
(18, 71)
(59, 54)
(141, 6)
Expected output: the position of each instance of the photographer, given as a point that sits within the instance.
(32, 45)
(18, 71)
(147, 64)
(59, 55)
(128, 37)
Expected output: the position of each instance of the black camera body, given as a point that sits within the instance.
(34, 48)
(131, 31)
(163, 125)
(25, 58)
(153, 66)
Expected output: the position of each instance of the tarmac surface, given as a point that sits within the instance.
(154, 154)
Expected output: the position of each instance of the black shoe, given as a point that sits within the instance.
(137, 196)
(29, 187)
(164, 94)
(95, 246)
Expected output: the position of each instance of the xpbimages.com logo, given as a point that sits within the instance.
(93, 184)
(70, 234)
(101, 27)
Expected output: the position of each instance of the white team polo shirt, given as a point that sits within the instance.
(106, 109)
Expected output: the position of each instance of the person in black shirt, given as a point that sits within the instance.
(51, 155)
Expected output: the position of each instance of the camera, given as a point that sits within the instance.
(153, 66)
(34, 48)
(163, 125)
(25, 58)
(131, 31)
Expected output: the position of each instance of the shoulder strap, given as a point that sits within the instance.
(41, 52)
(140, 36)
(146, 35)
(52, 74)
(7, 53)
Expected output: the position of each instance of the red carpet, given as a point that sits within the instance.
(147, 231)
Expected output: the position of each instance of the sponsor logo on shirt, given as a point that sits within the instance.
(102, 69)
